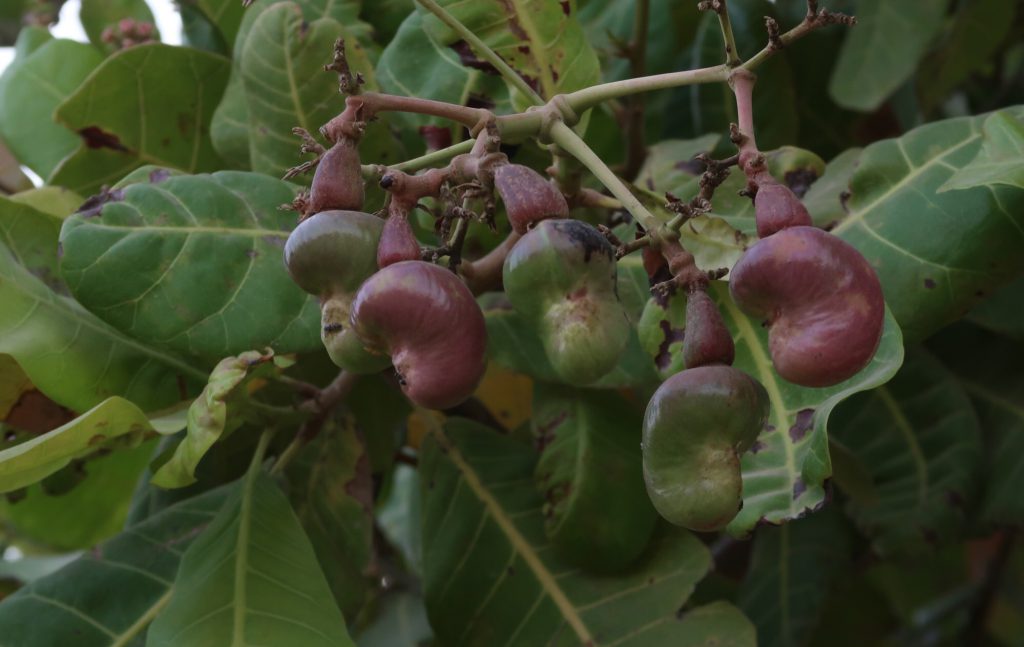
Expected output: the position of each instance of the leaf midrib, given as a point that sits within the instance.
(519, 543)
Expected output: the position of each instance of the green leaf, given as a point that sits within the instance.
(597, 512)
(483, 542)
(988, 368)
(94, 360)
(12, 178)
(31, 90)
(93, 510)
(251, 577)
(401, 619)
(113, 419)
(194, 264)
(784, 472)
(791, 570)
(999, 160)
(413, 65)
(108, 596)
(225, 15)
(974, 236)
(826, 198)
(146, 104)
(53, 200)
(921, 442)
(208, 418)
(972, 41)
(399, 517)
(231, 128)
(1001, 312)
(542, 41)
(883, 50)
(669, 164)
(97, 15)
(331, 490)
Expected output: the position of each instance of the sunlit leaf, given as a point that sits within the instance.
(999, 160)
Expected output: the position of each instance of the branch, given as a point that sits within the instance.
(320, 407)
(720, 7)
(484, 274)
(815, 19)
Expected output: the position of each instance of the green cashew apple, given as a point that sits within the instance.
(698, 424)
(329, 255)
(426, 319)
(561, 276)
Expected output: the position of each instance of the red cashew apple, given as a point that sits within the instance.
(776, 207)
(821, 300)
(528, 197)
(338, 180)
(427, 320)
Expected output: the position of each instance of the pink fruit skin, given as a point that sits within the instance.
(776, 208)
(821, 299)
(427, 320)
(528, 197)
(338, 181)
(397, 242)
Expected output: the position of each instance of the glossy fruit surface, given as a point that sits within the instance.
(338, 179)
(528, 197)
(397, 241)
(426, 319)
(706, 340)
(698, 424)
(333, 252)
(562, 277)
(822, 302)
(776, 207)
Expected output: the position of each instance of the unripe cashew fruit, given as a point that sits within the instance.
(698, 424)
(706, 340)
(561, 276)
(527, 196)
(426, 319)
(821, 300)
(397, 242)
(329, 255)
(776, 207)
(338, 180)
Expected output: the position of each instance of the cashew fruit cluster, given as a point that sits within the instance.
(821, 300)
(329, 255)
(697, 425)
(426, 320)
(561, 276)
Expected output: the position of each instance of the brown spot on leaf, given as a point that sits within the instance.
(566, 7)
(158, 175)
(929, 283)
(669, 335)
(96, 137)
(799, 487)
(757, 446)
(804, 419)
(94, 205)
(468, 58)
(800, 180)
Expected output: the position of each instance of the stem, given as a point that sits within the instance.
(483, 51)
(583, 100)
(572, 144)
(732, 56)
(484, 273)
(811, 22)
(261, 449)
(743, 87)
(321, 406)
(372, 103)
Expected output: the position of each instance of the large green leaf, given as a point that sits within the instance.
(231, 131)
(988, 368)
(145, 104)
(210, 418)
(542, 41)
(192, 264)
(97, 15)
(490, 578)
(883, 50)
(225, 15)
(71, 356)
(331, 490)
(826, 198)
(784, 472)
(791, 570)
(108, 596)
(113, 419)
(973, 236)
(413, 65)
(999, 160)
(1001, 312)
(30, 91)
(921, 442)
(251, 577)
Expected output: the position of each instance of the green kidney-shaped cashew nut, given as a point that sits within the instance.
(696, 427)
(561, 276)
(329, 255)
